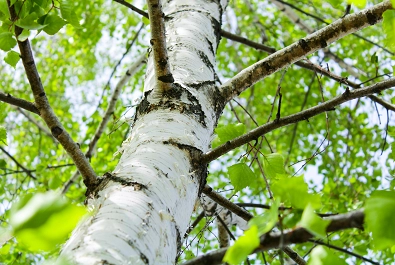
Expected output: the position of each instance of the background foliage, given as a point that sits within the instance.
(333, 162)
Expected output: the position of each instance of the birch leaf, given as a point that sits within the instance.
(273, 164)
(241, 176)
(313, 223)
(243, 246)
(322, 256)
(379, 211)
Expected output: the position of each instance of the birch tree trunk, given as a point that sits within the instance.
(142, 210)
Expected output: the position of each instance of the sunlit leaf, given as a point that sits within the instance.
(313, 223)
(229, 132)
(38, 221)
(12, 58)
(3, 135)
(266, 221)
(243, 246)
(53, 24)
(322, 256)
(273, 164)
(7, 41)
(294, 191)
(380, 217)
(241, 176)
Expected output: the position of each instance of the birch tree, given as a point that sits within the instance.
(214, 111)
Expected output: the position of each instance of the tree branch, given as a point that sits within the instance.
(307, 65)
(46, 112)
(158, 42)
(302, 115)
(302, 48)
(298, 235)
(132, 7)
(24, 104)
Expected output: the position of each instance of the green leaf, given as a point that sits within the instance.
(241, 176)
(7, 41)
(294, 190)
(39, 221)
(322, 256)
(68, 14)
(230, 132)
(266, 221)
(54, 24)
(243, 246)
(12, 58)
(358, 3)
(380, 217)
(388, 27)
(24, 35)
(273, 164)
(3, 135)
(313, 223)
(29, 22)
(4, 10)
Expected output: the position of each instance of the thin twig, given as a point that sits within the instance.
(27, 171)
(38, 124)
(294, 118)
(295, 236)
(320, 242)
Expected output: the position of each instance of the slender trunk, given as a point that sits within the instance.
(143, 208)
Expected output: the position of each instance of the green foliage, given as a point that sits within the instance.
(273, 164)
(241, 176)
(322, 256)
(358, 3)
(7, 41)
(38, 221)
(12, 58)
(243, 246)
(313, 223)
(379, 211)
(228, 132)
(3, 135)
(294, 191)
(265, 222)
(388, 27)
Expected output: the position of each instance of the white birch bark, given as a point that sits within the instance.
(142, 213)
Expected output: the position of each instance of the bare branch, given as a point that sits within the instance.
(302, 48)
(24, 104)
(300, 116)
(298, 235)
(158, 42)
(46, 112)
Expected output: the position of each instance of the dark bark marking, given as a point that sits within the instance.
(166, 78)
(42, 94)
(304, 45)
(372, 18)
(56, 131)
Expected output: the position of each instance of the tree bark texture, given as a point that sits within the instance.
(142, 209)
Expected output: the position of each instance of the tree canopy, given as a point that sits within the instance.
(305, 155)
